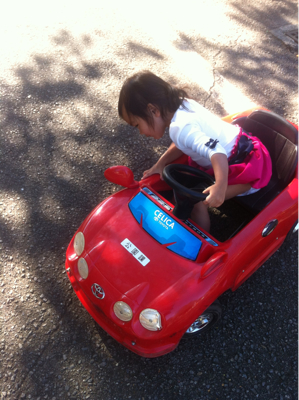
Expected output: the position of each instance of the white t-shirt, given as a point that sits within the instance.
(200, 134)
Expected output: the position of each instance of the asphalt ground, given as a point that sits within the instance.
(62, 66)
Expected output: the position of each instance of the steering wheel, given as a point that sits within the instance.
(187, 183)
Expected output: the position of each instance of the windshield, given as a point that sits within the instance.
(163, 228)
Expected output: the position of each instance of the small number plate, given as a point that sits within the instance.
(135, 252)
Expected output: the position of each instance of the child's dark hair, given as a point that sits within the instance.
(146, 88)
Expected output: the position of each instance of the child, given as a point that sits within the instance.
(240, 163)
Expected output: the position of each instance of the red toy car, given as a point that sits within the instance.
(149, 276)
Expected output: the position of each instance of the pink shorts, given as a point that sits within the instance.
(256, 168)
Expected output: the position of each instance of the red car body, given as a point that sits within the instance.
(179, 287)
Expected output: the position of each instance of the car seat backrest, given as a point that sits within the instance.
(280, 138)
(276, 123)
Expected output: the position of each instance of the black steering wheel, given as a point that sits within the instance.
(188, 184)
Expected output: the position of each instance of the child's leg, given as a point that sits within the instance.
(200, 214)
(235, 190)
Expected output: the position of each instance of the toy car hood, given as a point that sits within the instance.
(134, 244)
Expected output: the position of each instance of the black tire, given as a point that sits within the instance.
(205, 321)
(293, 231)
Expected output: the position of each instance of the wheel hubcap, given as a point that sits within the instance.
(200, 323)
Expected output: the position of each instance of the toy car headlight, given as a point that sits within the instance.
(79, 243)
(150, 319)
(82, 268)
(123, 311)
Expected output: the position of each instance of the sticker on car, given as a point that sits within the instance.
(128, 245)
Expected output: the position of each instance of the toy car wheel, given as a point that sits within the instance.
(292, 232)
(205, 321)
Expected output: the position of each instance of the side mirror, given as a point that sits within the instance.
(121, 175)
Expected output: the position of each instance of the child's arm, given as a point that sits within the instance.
(217, 191)
(171, 154)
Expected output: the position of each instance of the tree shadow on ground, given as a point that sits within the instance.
(269, 74)
(55, 146)
(58, 135)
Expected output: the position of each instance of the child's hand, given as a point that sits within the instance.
(156, 169)
(216, 195)
(171, 154)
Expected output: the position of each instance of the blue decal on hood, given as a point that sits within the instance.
(163, 228)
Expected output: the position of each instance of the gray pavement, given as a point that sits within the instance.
(62, 66)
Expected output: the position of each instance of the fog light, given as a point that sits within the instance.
(79, 243)
(123, 311)
(150, 319)
(83, 268)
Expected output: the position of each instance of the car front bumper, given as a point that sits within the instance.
(145, 347)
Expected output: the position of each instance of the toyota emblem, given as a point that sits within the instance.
(97, 291)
